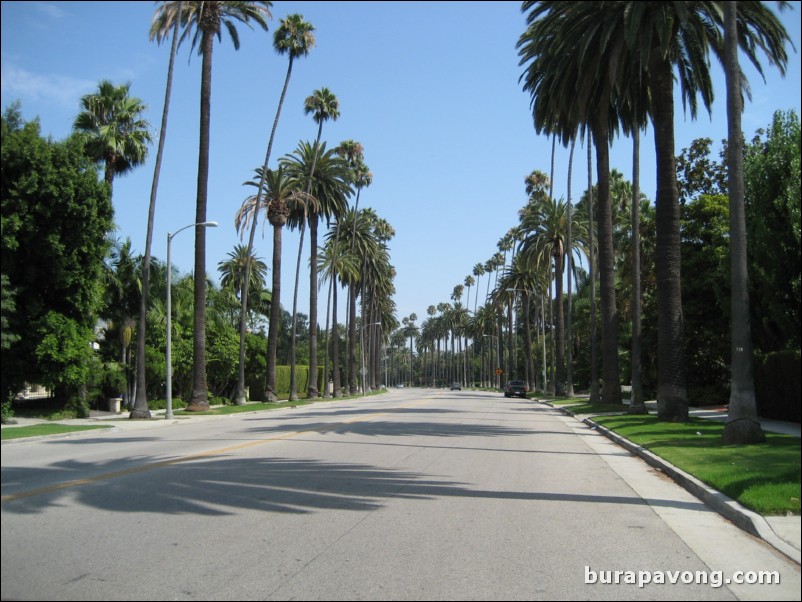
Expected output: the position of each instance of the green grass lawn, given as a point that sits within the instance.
(763, 477)
(582, 407)
(38, 430)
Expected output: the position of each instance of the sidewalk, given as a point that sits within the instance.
(784, 533)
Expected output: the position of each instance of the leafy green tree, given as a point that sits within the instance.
(705, 300)
(7, 337)
(56, 214)
(698, 173)
(64, 356)
(772, 182)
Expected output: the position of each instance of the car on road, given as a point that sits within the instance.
(456, 387)
(515, 388)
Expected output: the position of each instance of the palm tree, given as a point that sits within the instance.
(668, 35)
(330, 188)
(594, 343)
(522, 277)
(478, 271)
(294, 38)
(751, 25)
(411, 331)
(572, 85)
(377, 291)
(569, 256)
(353, 153)
(323, 105)
(123, 283)
(637, 404)
(336, 262)
(545, 225)
(202, 21)
(630, 42)
(365, 244)
(115, 133)
(283, 194)
(235, 269)
(140, 409)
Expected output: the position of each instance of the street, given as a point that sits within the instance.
(418, 494)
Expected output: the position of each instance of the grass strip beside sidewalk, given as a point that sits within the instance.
(764, 477)
(40, 430)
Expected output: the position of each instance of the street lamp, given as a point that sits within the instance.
(169, 392)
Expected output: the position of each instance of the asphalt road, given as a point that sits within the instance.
(413, 495)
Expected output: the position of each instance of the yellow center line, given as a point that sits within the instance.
(215, 452)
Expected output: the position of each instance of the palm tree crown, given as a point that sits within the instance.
(116, 134)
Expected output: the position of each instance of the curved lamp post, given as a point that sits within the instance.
(169, 392)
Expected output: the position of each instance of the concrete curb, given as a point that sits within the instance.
(742, 517)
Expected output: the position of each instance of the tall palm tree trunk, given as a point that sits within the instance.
(271, 392)
(552, 366)
(594, 339)
(510, 335)
(530, 366)
(326, 392)
(559, 376)
(611, 390)
(313, 289)
(293, 385)
(243, 321)
(335, 343)
(569, 256)
(672, 395)
(199, 400)
(637, 405)
(742, 425)
(312, 390)
(352, 382)
(140, 409)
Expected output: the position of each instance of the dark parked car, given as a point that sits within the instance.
(456, 387)
(515, 388)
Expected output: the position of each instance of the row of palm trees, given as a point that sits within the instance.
(308, 185)
(593, 69)
(531, 256)
(620, 76)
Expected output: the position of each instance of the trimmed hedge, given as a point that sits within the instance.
(778, 384)
(257, 388)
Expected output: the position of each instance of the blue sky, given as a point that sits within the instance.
(430, 89)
